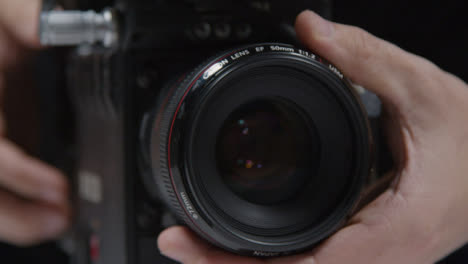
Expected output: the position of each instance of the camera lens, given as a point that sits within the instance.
(264, 151)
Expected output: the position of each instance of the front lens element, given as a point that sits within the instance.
(266, 151)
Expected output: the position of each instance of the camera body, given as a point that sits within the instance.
(111, 91)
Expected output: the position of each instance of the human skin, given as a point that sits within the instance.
(33, 196)
(423, 216)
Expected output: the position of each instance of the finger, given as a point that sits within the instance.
(395, 75)
(384, 232)
(29, 177)
(25, 223)
(21, 19)
(180, 244)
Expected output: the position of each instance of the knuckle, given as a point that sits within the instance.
(423, 68)
(24, 222)
(370, 49)
(364, 45)
(435, 86)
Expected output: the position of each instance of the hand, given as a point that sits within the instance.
(33, 196)
(424, 216)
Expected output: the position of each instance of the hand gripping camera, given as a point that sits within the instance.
(207, 114)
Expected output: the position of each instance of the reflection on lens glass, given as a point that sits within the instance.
(267, 151)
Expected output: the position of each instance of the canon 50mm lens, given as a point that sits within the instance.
(263, 150)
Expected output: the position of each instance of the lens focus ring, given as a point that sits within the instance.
(262, 149)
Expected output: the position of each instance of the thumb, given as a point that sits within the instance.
(20, 18)
(383, 232)
(369, 61)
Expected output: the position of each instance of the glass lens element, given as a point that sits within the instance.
(267, 151)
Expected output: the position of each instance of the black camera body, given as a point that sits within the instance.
(119, 96)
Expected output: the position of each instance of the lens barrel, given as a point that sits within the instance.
(263, 150)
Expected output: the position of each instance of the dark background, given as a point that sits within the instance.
(436, 30)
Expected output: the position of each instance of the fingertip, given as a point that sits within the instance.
(309, 25)
(181, 244)
(57, 177)
(27, 223)
(168, 239)
(52, 183)
(176, 243)
(54, 224)
(301, 24)
(30, 177)
(303, 15)
(316, 33)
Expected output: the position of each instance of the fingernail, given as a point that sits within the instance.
(54, 224)
(323, 27)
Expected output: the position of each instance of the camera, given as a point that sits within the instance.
(207, 114)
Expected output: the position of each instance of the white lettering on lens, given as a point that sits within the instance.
(259, 49)
(214, 69)
(265, 254)
(240, 54)
(189, 206)
(224, 62)
(307, 54)
(279, 48)
(335, 70)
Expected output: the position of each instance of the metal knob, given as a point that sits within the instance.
(65, 28)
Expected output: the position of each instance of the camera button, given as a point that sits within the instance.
(243, 31)
(222, 31)
(202, 30)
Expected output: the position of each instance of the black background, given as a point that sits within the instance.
(437, 30)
